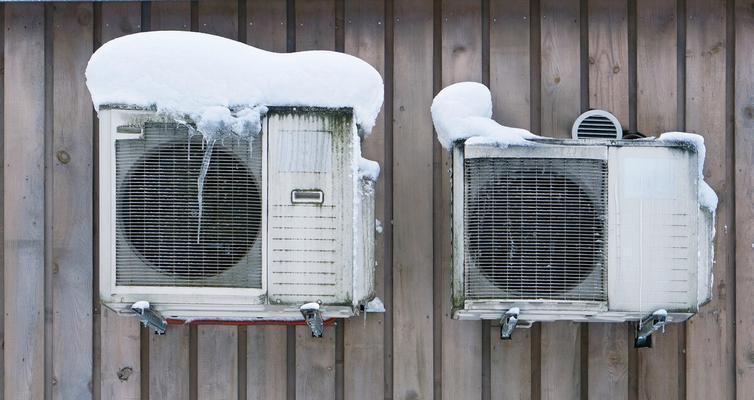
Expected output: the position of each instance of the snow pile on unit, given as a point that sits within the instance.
(223, 83)
(464, 110)
(368, 169)
(707, 196)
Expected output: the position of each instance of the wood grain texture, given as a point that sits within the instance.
(510, 365)
(509, 62)
(315, 25)
(120, 365)
(608, 57)
(169, 354)
(266, 362)
(560, 351)
(560, 66)
(412, 198)
(656, 65)
(608, 361)
(744, 159)
(364, 337)
(657, 111)
(169, 364)
(219, 17)
(461, 340)
(315, 364)
(72, 210)
(561, 360)
(608, 89)
(217, 362)
(170, 15)
(710, 335)
(24, 201)
(267, 24)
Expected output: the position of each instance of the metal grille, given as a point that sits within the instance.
(598, 127)
(535, 228)
(160, 238)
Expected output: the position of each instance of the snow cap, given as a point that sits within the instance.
(191, 74)
(464, 110)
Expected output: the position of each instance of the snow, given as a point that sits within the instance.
(376, 305)
(223, 84)
(309, 306)
(369, 169)
(378, 225)
(464, 110)
(140, 305)
(707, 196)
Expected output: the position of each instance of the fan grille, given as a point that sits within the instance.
(160, 238)
(535, 228)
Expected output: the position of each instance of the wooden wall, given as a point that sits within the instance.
(658, 65)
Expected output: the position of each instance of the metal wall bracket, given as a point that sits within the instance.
(149, 317)
(648, 326)
(313, 318)
(508, 323)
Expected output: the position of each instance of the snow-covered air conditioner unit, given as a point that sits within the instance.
(581, 230)
(278, 220)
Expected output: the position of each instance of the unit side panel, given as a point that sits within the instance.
(652, 230)
(309, 238)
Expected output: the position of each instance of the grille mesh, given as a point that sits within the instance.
(159, 240)
(535, 228)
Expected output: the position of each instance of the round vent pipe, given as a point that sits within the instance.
(597, 124)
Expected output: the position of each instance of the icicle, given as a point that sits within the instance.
(200, 183)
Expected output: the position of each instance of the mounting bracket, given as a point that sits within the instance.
(149, 317)
(508, 323)
(648, 326)
(313, 318)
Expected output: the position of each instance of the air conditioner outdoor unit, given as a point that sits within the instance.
(581, 230)
(280, 219)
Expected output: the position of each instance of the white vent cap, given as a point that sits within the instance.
(597, 124)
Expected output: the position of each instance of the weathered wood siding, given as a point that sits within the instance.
(658, 65)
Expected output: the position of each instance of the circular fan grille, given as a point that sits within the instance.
(535, 232)
(159, 214)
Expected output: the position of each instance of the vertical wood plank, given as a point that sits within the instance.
(509, 62)
(560, 351)
(656, 46)
(217, 362)
(461, 340)
(120, 365)
(413, 143)
(656, 72)
(561, 66)
(510, 72)
(24, 201)
(72, 213)
(267, 24)
(510, 365)
(217, 346)
(266, 357)
(608, 89)
(315, 25)
(744, 159)
(710, 335)
(170, 15)
(315, 364)
(363, 337)
(315, 358)
(169, 354)
(266, 352)
(219, 17)
(608, 57)
(2, 199)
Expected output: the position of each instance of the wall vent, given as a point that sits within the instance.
(597, 124)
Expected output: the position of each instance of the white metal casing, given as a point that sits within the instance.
(659, 238)
(295, 140)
